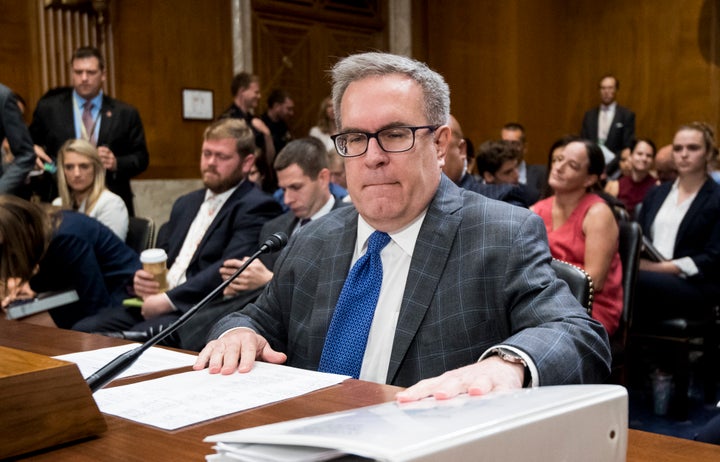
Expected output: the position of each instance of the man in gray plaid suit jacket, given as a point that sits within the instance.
(468, 303)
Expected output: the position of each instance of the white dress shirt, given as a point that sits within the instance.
(396, 258)
(605, 118)
(665, 227)
(205, 216)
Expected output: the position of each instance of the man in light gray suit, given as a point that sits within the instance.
(468, 302)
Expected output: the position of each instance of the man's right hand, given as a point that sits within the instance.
(145, 284)
(237, 350)
(255, 275)
(41, 157)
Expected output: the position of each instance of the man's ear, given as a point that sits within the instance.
(442, 143)
(247, 163)
(324, 176)
(488, 177)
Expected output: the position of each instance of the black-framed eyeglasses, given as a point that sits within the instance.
(393, 139)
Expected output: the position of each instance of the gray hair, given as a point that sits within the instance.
(357, 67)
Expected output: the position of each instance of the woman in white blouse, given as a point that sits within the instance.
(682, 220)
(81, 184)
(326, 124)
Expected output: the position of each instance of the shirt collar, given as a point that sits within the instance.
(96, 101)
(404, 238)
(223, 196)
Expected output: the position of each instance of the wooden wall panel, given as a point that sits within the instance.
(538, 62)
(294, 53)
(18, 59)
(161, 48)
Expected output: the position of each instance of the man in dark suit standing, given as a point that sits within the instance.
(464, 299)
(609, 124)
(206, 227)
(85, 112)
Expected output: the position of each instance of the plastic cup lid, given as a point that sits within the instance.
(153, 256)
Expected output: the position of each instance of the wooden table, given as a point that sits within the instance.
(130, 441)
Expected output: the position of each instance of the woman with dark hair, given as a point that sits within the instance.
(574, 216)
(682, 220)
(631, 189)
(47, 250)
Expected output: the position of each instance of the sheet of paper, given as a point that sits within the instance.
(153, 360)
(184, 399)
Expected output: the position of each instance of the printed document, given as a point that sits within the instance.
(179, 400)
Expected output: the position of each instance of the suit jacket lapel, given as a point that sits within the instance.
(234, 197)
(432, 249)
(332, 271)
(695, 208)
(594, 122)
(178, 234)
(68, 130)
(106, 120)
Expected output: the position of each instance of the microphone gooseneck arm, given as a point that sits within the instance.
(115, 367)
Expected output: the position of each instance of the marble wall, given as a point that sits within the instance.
(154, 198)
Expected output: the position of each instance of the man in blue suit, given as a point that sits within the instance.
(468, 302)
(206, 227)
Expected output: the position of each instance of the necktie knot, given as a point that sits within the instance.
(304, 221)
(378, 241)
(88, 105)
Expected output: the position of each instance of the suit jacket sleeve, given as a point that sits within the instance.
(13, 127)
(546, 321)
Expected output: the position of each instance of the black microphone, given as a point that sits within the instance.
(115, 367)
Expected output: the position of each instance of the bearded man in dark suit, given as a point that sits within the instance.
(85, 112)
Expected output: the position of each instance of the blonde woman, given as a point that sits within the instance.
(81, 184)
(326, 124)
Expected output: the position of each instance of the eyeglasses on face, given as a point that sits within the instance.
(393, 139)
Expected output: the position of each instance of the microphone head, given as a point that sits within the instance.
(274, 242)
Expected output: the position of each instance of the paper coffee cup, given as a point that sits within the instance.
(155, 262)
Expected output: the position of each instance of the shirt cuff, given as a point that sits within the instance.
(534, 376)
(687, 266)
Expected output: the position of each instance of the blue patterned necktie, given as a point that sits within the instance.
(348, 333)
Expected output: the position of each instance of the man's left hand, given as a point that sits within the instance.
(491, 374)
(108, 158)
